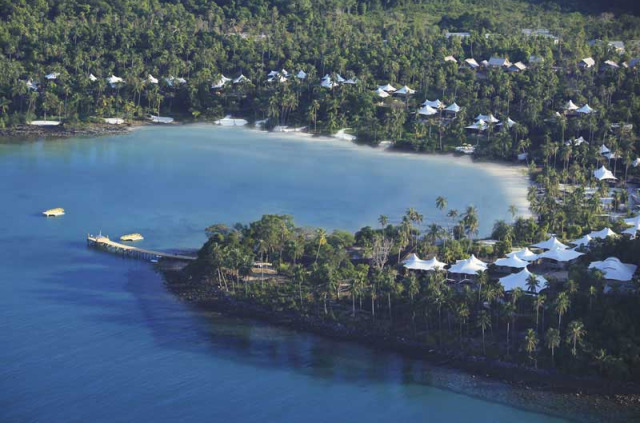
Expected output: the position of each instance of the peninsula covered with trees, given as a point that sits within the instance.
(364, 286)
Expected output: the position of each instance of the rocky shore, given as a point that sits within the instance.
(63, 131)
(615, 400)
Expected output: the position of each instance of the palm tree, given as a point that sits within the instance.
(321, 236)
(513, 210)
(313, 114)
(538, 303)
(532, 284)
(470, 221)
(562, 306)
(575, 332)
(531, 342)
(484, 322)
(441, 203)
(383, 221)
(552, 339)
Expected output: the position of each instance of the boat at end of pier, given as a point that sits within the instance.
(132, 237)
(54, 212)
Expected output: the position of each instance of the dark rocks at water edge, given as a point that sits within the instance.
(63, 130)
(597, 392)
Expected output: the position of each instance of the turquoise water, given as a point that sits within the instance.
(90, 337)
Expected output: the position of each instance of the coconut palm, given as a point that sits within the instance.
(552, 339)
(538, 303)
(484, 322)
(531, 343)
(575, 333)
(562, 306)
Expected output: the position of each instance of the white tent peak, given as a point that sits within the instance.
(604, 174)
(520, 280)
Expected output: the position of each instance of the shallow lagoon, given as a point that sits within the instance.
(87, 336)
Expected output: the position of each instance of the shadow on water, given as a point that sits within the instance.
(175, 326)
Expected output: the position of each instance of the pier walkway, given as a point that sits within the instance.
(104, 242)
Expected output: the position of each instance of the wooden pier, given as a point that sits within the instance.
(101, 241)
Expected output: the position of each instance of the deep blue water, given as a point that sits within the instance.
(90, 337)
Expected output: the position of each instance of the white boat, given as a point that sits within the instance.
(132, 237)
(229, 121)
(54, 212)
(160, 119)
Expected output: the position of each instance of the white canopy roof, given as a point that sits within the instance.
(524, 254)
(450, 59)
(241, 79)
(382, 93)
(471, 62)
(550, 244)
(92, 77)
(614, 269)
(301, 75)
(561, 255)
(221, 82)
(585, 240)
(631, 231)
(510, 123)
(479, 125)
(435, 104)
(570, 106)
(470, 266)
(603, 174)
(576, 142)
(405, 91)
(414, 263)
(487, 118)
(520, 279)
(453, 108)
(604, 149)
(152, 80)
(272, 73)
(388, 88)
(339, 78)
(114, 80)
(585, 109)
(326, 77)
(52, 75)
(636, 162)
(326, 83)
(351, 81)
(512, 261)
(602, 234)
(427, 111)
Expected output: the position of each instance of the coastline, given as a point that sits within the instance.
(580, 399)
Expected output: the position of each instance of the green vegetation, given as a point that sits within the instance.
(374, 41)
(357, 281)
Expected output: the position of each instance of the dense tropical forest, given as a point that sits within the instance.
(149, 45)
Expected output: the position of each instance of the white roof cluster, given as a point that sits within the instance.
(415, 263)
(614, 269)
(470, 266)
(520, 280)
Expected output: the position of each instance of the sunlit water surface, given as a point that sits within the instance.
(90, 337)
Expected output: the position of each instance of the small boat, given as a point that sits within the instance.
(54, 212)
(132, 237)
(154, 260)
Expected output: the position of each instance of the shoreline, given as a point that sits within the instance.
(514, 173)
(585, 399)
